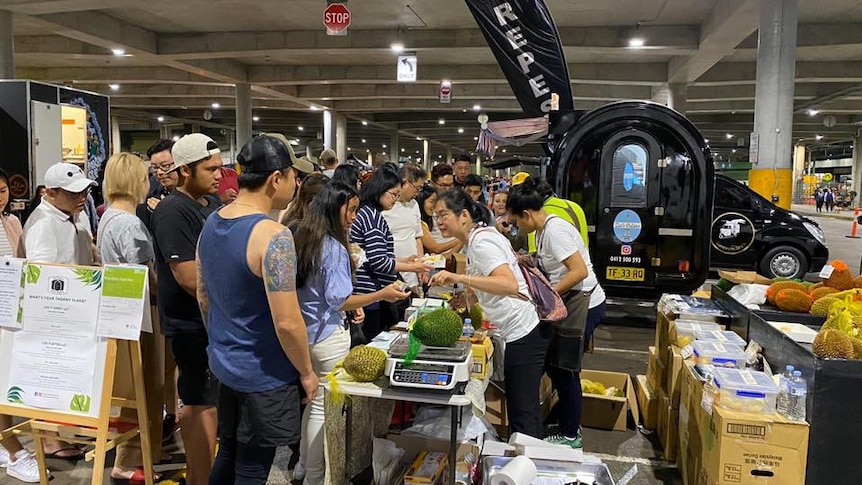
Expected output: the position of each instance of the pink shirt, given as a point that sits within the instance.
(14, 233)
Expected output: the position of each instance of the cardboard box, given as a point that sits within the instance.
(495, 404)
(668, 427)
(674, 371)
(744, 277)
(482, 353)
(693, 424)
(755, 448)
(656, 370)
(605, 412)
(428, 468)
(647, 403)
(414, 445)
(662, 336)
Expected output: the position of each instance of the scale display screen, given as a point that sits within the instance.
(431, 375)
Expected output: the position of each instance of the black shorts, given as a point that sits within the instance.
(196, 385)
(262, 419)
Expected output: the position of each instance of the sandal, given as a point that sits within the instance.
(136, 479)
(73, 457)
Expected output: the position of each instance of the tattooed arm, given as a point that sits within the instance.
(279, 275)
(201, 290)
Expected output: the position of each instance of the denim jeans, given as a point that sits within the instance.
(239, 464)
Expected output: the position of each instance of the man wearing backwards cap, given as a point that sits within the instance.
(258, 345)
(176, 224)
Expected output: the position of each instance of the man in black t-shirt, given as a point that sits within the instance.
(176, 224)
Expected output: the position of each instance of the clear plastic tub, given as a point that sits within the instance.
(718, 354)
(686, 330)
(745, 390)
(725, 337)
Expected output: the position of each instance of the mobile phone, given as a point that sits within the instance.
(402, 286)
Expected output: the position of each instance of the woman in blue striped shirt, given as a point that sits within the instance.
(325, 290)
(371, 232)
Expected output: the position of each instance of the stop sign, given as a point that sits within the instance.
(336, 17)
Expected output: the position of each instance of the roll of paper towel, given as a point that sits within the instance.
(519, 471)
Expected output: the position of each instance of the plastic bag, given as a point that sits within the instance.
(385, 461)
(436, 422)
(749, 294)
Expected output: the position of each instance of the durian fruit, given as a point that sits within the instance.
(821, 306)
(793, 300)
(477, 315)
(439, 328)
(841, 278)
(857, 283)
(821, 292)
(832, 344)
(857, 348)
(365, 364)
(774, 288)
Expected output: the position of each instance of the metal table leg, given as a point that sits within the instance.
(453, 443)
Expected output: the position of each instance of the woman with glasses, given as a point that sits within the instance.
(427, 199)
(494, 276)
(371, 233)
(563, 258)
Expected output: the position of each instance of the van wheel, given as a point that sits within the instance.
(784, 262)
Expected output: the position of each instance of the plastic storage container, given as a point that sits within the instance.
(745, 390)
(725, 337)
(686, 330)
(718, 354)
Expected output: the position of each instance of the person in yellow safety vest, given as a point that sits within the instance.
(566, 209)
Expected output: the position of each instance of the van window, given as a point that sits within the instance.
(629, 176)
(728, 195)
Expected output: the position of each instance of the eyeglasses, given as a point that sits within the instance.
(443, 186)
(441, 215)
(165, 168)
(418, 189)
(395, 196)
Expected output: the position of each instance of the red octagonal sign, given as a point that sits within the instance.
(336, 17)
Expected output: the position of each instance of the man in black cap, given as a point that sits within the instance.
(258, 345)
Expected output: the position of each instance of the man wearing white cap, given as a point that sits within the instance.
(58, 230)
(176, 224)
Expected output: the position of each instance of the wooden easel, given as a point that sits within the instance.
(96, 430)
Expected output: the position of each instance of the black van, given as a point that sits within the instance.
(750, 232)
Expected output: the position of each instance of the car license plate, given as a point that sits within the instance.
(625, 274)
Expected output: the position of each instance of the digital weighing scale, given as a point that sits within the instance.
(440, 368)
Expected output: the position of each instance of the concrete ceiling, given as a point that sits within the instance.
(182, 57)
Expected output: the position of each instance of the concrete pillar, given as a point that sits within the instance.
(449, 155)
(478, 165)
(7, 51)
(856, 171)
(773, 101)
(661, 94)
(328, 130)
(394, 149)
(243, 113)
(341, 137)
(800, 190)
(426, 154)
(308, 153)
(677, 96)
(115, 136)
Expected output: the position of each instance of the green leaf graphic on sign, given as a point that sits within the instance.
(15, 395)
(33, 273)
(80, 402)
(90, 277)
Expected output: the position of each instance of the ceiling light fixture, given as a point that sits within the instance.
(176, 138)
(441, 121)
(216, 106)
(348, 149)
(364, 123)
(255, 118)
(418, 138)
(118, 52)
(729, 136)
(504, 150)
(314, 108)
(114, 87)
(363, 140)
(813, 112)
(706, 140)
(160, 119)
(397, 47)
(476, 107)
(384, 145)
(402, 150)
(818, 137)
(300, 128)
(733, 151)
(475, 138)
(636, 42)
(460, 130)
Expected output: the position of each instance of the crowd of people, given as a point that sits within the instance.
(264, 277)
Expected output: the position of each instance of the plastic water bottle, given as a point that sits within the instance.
(798, 397)
(468, 329)
(782, 401)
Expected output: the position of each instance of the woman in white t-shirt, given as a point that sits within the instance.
(562, 257)
(494, 276)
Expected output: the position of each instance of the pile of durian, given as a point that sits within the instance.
(841, 335)
(802, 297)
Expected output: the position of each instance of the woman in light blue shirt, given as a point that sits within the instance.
(325, 288)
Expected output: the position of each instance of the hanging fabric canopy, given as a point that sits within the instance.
(512, 133)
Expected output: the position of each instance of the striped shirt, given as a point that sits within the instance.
(372, 233)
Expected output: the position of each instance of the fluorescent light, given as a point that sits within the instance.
(706, 140)
(475, 138)
(314, 108)
(439, 156)
(504, 150)
(460, 130)
(476, 107)
(729, 136)
(441, 121)
(384, 145)
(114, 87)
(364, 123)
(216, 106)
(160, 119)
(402, 150)
(813, 112)
(119, 52)
(348, 149)
(418, 138)
(818, 137)
(255, 118)
(636, 42)
(397, 47)
(446, 83)
(300, 128)
(363, 140)
(733, 151)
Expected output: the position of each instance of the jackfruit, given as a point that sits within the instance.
(439, 328)
(815, 286)
(821, 306)
(477, 315)
(841, 277)
(832, 344)
(365, 364)
(474, 312)
(793, 300)
(821, 292)
(774, 288)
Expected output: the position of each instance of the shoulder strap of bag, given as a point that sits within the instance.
(517, 261)
(568, 208)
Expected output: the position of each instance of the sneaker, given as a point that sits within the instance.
(298, 472)
(559, 439)
(24, 468)
(4, 457)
